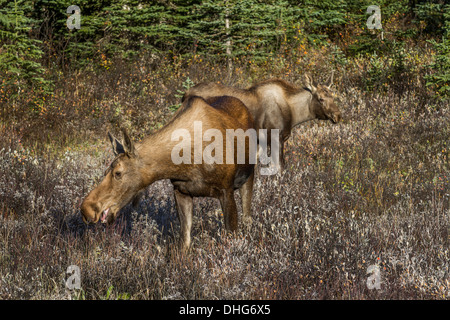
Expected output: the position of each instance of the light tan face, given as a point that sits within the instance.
(122, 181)
(324, 106)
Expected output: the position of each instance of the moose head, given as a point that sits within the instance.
(122, 181)
(322, 104)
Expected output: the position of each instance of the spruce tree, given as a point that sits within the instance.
(20, 67)
(247, 27)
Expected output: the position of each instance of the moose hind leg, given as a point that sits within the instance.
(246, 192)
(229, 210)
(185, 207)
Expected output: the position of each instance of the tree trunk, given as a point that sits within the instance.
(228, 42)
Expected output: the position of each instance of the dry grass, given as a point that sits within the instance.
(370, 190)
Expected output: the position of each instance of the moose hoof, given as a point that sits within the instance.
(184, 247)
(247, 221)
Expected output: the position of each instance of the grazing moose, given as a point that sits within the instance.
(137, 165)
(277, 104)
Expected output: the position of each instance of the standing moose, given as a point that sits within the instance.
(137, 165)
(277, 104)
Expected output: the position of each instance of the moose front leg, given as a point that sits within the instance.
(276, 143)
(280, 163)
(185, 207)
(229, 209)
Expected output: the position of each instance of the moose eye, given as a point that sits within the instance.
(321, 100)
(118, 175)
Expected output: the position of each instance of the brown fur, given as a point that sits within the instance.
(277, 104)
(138, 165)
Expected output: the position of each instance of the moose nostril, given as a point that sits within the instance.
(89, 212)
(85, 216)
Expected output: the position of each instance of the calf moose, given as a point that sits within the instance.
(277, 104)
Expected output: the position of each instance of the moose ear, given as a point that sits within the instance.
(128, 145)
(116, 145)
(308, 83)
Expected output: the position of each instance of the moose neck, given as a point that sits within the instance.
(155, 158)
(300, 105)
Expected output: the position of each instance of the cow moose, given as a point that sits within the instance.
(137, 165)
